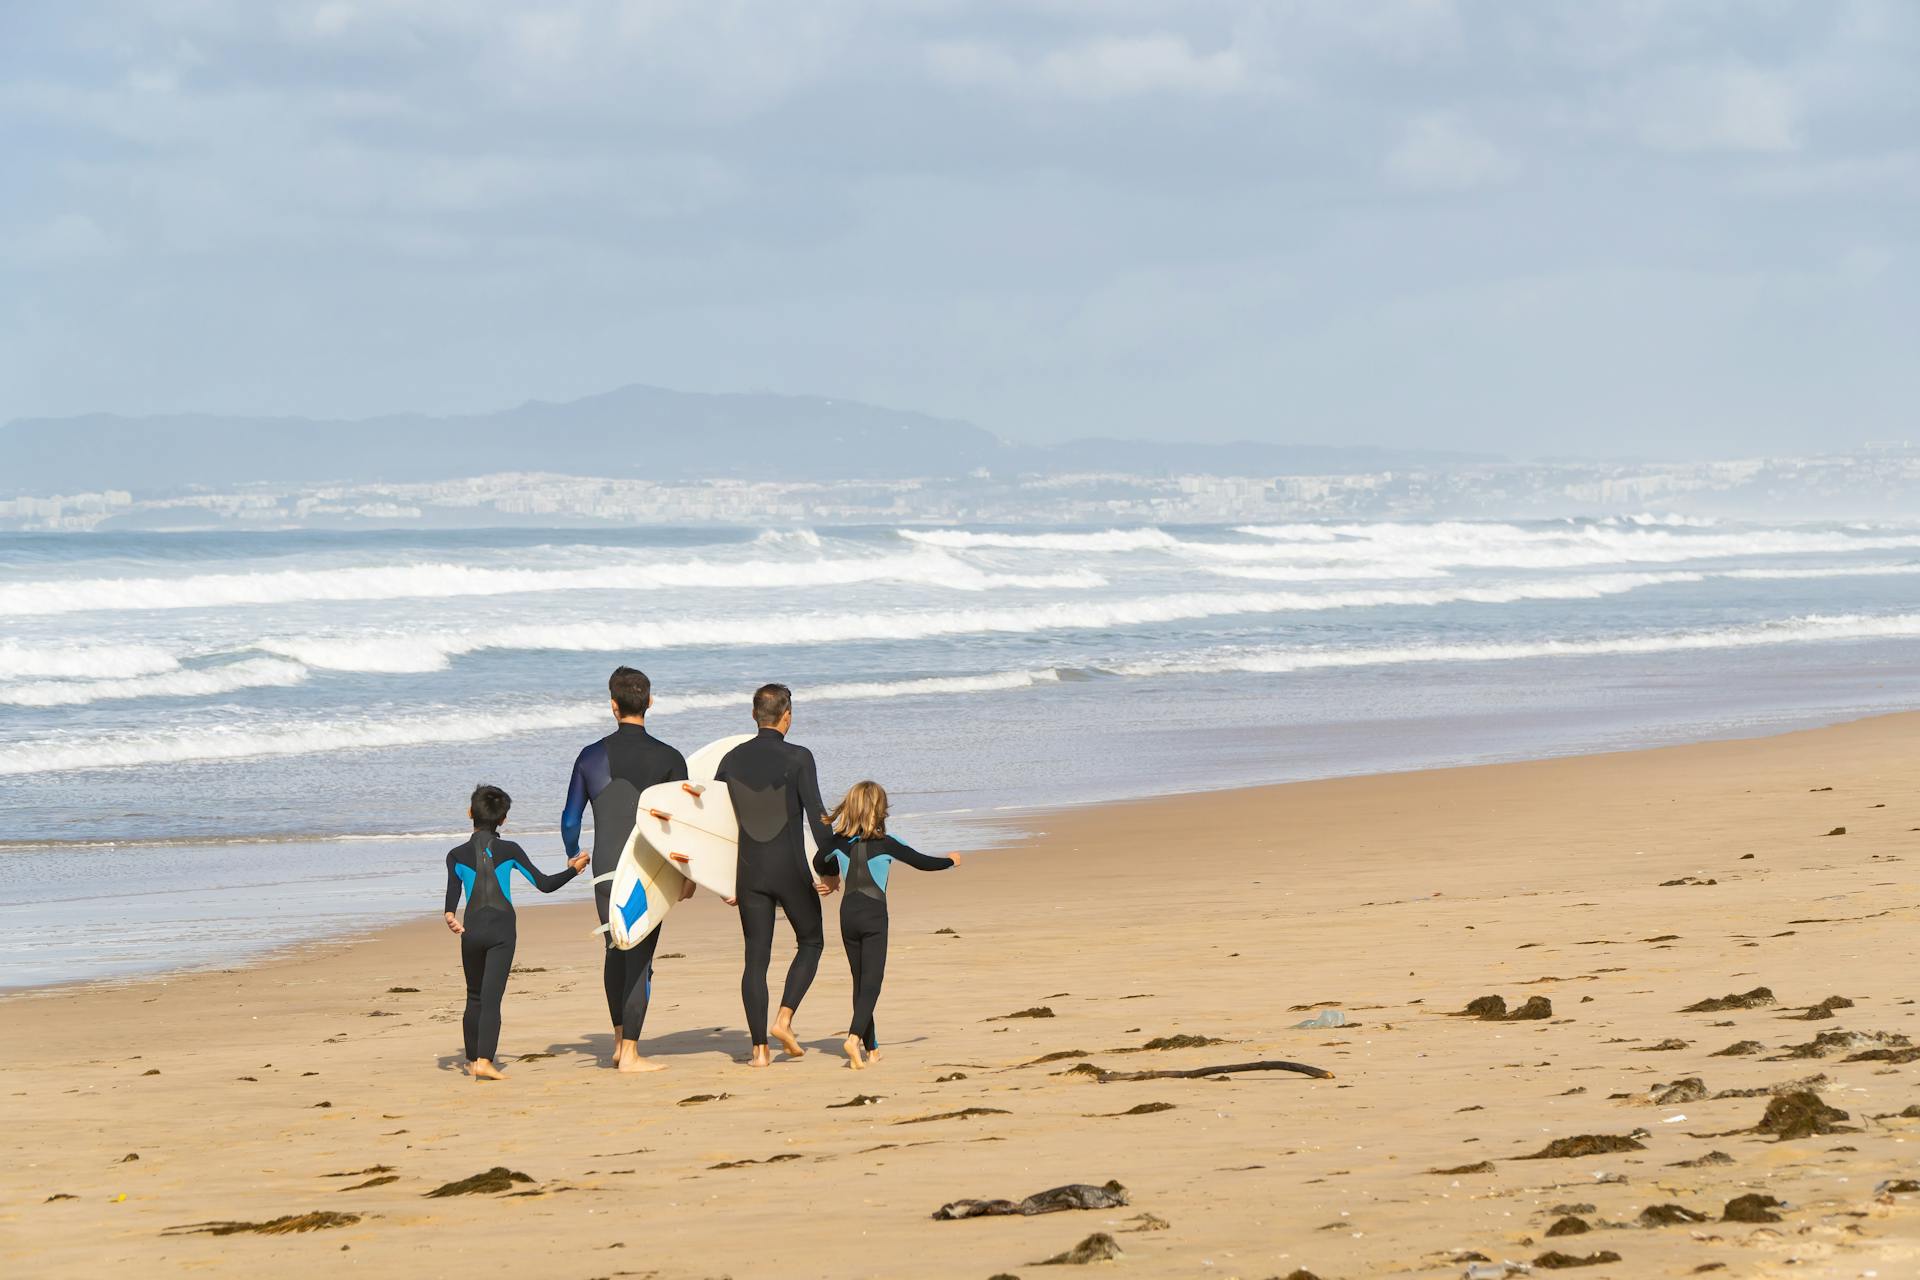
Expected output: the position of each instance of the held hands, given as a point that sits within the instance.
(454, 925)
(955, 858)
(826, 887)
(687, 888)
(579, 862)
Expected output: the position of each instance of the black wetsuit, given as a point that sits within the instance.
(483, 868)
(775, 788)
(866, 864)
(610, 775)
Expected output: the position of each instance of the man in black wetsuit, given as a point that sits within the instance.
(610, 775)
(775, 788)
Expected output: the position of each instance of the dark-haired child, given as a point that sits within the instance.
(483, 868)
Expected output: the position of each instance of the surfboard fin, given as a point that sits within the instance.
(681, 858)
(694, 789)
(661, 814)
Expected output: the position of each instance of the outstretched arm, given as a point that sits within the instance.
(575, 813)
(811, 803)
(541, 880)
(917, 860)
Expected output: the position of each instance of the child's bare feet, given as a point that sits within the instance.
(852, 1048)
(782, 1030)
(873, 1054)
(483, 1069)
(762, 1056)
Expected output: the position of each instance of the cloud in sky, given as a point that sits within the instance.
(1669, 225)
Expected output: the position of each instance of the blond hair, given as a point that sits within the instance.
(862, 813)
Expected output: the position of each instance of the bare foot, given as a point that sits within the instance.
(483, 1069)
(852, 1048)
(782, 1030)
(633, 1062)
(762, 1056)
(873, 1054)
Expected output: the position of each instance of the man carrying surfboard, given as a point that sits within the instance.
(775, 790)
(609, 775)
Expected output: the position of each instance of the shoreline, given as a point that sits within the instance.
(1007, 826)
(1621, 887)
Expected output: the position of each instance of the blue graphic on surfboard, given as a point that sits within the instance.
(692, 823)
(645, 888)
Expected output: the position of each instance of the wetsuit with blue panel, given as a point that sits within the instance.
(609, 776)
(866, 865)
(775, 789)
(483, 869)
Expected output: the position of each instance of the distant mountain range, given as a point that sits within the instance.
(634, 432)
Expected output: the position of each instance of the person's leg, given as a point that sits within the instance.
(866, 991)
(801, 905)
(473, 961)
(756, 927)
(851, 1045)
(493, 989)
(613, 981)
(633, 1012)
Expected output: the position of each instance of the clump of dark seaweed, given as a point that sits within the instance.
(1098, 1247)
(1075, 1195)
(1554, 1260)
(498, 1178)
(1752, 1207)
(1801, 1115)
(1494, 1009)
(1669, 1215)
(1585, 1144)
(291, 1224)
(1757, 998)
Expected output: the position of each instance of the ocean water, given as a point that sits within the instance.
(213, 743)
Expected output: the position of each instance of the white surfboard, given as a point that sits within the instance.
(645, 887)
(692, 823)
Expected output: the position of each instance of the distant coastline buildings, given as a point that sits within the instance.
(1881, 481)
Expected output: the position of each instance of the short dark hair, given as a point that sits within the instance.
(632, 691)
(489, 805)
(770, 702)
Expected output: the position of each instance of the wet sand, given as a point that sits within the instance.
(1621, 888)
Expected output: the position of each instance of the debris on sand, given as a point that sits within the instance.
(857, 1100)
(1060, 1055)
(59, 1195)
(1075, 1195)
(1148, 1222)
(1198, 1073)
(1759, 997)
(1037, 1011)
(1143, 1109)
(1815, 1083)
(1752, 1207)
(1175, 1042)
(361, 1173)
(1098, 1247)
(1586, 1144)
(403, 991)
(1554, 1260)
(1828, 1043)
(1838, 831)
(1569, 1226)
(291, 1224)
(498, 1178)
(1664, 1046)
(965, 1113)
(1738, 1049)
(1485, 1166)
(1702, 1162)
(1690, 1089)
(1801, 1115)
(699, 1098)
(1683, 880)
(950, 1078)
(1908, 1054)
(741, 1164)
(1669, 1215)
(128, 1158)
(380, 1181)
(1494, 1009)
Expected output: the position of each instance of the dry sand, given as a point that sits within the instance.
(329, 1080)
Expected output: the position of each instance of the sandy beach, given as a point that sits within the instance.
(1618, 888)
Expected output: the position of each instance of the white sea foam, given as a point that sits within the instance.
(253, 673)
(81, 661)
(433, 650)
(1809, 629)
(441, 581)
(125, 750)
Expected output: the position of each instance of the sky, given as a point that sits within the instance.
(1587, 227)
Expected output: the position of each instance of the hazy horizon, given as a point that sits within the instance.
(1627, 230)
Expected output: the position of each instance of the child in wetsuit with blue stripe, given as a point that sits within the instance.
(863, 854)
(483, 868)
